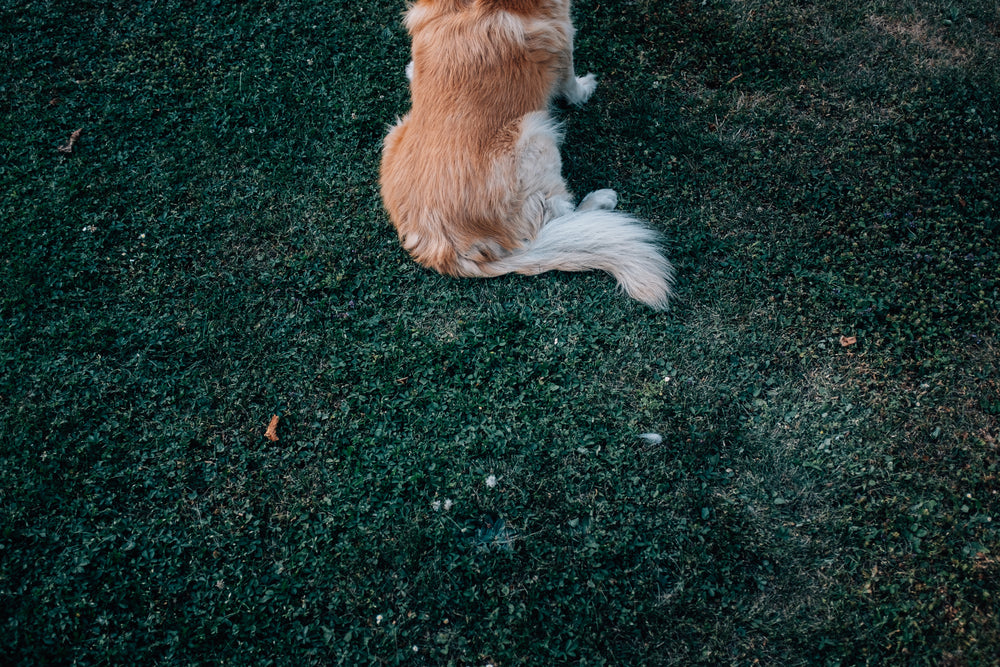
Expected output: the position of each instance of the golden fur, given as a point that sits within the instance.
(471, 175)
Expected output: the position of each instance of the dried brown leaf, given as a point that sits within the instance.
(272, 429)
(73, 138)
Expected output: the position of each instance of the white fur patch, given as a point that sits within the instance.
(415, 16)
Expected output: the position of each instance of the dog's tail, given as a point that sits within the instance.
(597, 239)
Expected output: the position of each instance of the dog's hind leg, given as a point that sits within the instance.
(599, 200)
(541, 187)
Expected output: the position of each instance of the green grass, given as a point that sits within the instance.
(214, 251)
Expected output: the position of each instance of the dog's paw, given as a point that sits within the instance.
(604, 200)
(409, 70)
(581, 88)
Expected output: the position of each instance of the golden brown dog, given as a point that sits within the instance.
(471, 176)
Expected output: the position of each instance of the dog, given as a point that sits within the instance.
(471, 176)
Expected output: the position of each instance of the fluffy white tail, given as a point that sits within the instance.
(598, 239)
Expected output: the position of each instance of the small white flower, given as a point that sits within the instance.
(415, 649)
(448, 504)
(491, 481)
(378, 620)
(436, 505)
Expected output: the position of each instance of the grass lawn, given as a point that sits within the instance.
(458, 477)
